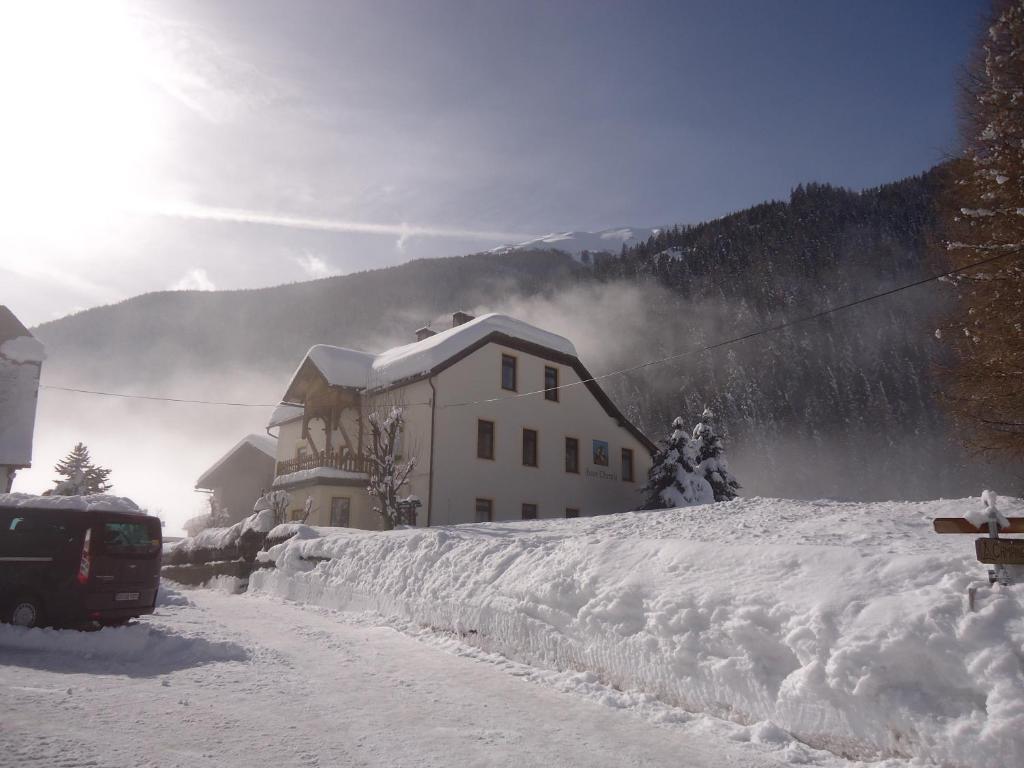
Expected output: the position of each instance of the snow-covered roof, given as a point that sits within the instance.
(262, 443)
(351, 368)
(99, 502)
(284, 413)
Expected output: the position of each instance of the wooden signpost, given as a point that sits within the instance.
(991, 550)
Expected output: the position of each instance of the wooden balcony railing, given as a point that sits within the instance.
(335, 459)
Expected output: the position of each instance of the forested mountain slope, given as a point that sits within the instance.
(845, 406)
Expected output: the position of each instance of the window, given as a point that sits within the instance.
(529, 448)
(572, 455)
(571, 513)
(508, 372)
(485, 439)
(301, 452)
(141, 538)
(550, 383)
(484, 510)
(529, 511)
(627, 465)
(341, 507)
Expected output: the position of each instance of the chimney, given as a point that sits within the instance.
(424, 333)
(460, 317)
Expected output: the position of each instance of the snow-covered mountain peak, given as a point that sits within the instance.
(574, 243)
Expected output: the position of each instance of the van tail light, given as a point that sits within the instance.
(85, 564)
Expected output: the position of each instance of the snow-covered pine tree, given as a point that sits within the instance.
(709, 460)
(673, 480)
(80, 476)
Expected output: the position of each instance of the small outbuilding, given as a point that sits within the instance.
(21, 362)
(239, 477)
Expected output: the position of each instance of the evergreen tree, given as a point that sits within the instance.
(80, 476)
(983, 219)
(673, 480)
(710, 461)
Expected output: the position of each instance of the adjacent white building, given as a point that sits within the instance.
(502, 418)
(21, 361)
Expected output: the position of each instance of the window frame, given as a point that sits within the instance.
(576, 470)
(536, 511)
(536, 447)
(476, 510)
(348, 512)
(479, 425)
(505, 357)
(632, 469)
(551, 393)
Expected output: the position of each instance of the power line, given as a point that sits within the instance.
(630, 369)
(746, 336)
(156, 397)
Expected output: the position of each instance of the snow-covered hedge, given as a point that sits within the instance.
(845, 624)
(97, 502)
(243, 539)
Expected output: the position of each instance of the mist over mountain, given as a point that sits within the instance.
(845, 406)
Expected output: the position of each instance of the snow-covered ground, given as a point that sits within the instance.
(753, 633)
(229, 681)
(844, 624)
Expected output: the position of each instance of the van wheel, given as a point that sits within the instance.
(26, 612)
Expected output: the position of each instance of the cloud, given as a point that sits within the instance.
(195, 280)
(314, 266)
(241, 216)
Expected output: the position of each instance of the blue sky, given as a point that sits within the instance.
(248, 143)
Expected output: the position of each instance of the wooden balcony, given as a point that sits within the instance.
(334, 459)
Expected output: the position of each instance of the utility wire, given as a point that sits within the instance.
(156, 397)
(746, 336)
(630, 369)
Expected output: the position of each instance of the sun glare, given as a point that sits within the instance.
(81, 126)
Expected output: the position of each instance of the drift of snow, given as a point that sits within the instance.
(343, 367)
(97, 502)
(23, 349)
(844, 624)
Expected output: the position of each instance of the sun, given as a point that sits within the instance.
(81, 124)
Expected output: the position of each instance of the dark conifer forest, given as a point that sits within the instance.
(845, 406)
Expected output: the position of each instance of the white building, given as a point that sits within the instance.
(501, 417)
(21, 361)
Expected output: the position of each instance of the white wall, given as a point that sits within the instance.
(460, 477)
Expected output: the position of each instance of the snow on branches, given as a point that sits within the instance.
(387, 472)
(690, 469)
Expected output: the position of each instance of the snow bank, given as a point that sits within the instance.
(98, 502)
(844, 624)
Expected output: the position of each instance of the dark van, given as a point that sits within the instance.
(66, 567)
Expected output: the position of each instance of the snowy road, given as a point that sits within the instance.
(226, 680)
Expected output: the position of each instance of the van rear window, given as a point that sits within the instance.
(124, 538)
